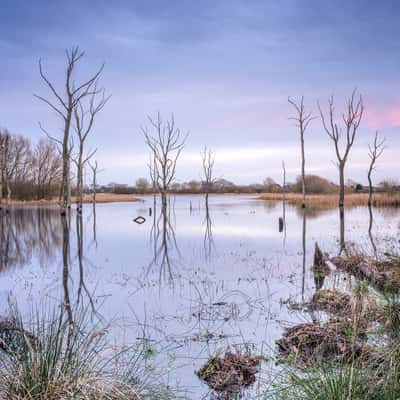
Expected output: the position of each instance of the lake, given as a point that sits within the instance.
(194, 283)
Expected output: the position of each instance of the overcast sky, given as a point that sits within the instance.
(225, 68)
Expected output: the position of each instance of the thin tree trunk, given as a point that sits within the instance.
(303, 177)
(369, 188)
(66, 161)
(341, 184)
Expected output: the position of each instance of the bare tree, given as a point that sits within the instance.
(208, 159)
(375, 151)
(94, 168)
(302, 120)
(84, 120)
(166, 145)
(351, 119)
(64, 106)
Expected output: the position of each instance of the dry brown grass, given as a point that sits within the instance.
(100, 198)
(331, 200)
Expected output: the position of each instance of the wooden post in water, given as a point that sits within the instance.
(280, 224)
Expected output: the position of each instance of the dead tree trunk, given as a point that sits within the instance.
(208, 159)
(94, 167)
(375, 151)
(166, 145)
(84, 120)
(352, 119)
(64, 106)
(302, 120)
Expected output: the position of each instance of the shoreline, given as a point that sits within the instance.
(101, 198)
(331, 200)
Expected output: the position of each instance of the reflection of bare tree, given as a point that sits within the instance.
(164, 241)
(94, 224)
(303, 236)
(82, 261)
(66, 219)
(342, 242)
(208, 235)
(28, 233)
(371, 237)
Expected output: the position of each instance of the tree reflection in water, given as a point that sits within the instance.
(40, 236)
(208, 241)
(28, 233)
(164, 242)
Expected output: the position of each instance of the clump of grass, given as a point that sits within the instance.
(51, 359)
(329, 382)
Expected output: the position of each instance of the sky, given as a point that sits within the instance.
(225, 70)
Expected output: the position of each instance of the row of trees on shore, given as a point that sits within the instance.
(28, 171)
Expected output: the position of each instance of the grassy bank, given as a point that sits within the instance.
(331, 200)
(100, 198)
(47, 356)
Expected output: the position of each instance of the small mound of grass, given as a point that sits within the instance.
(309, 343)
(331, 301)
(231, 372)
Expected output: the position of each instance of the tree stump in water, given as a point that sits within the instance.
(280, 224)
(319, 258)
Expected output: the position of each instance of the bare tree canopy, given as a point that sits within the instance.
(351, 121)
(166, 144)
(84, 114)
(375, 151)
(208, 159)
(28, 171)
(64, 104)
(302, 120)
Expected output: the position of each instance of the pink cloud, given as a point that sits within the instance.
(384, 117)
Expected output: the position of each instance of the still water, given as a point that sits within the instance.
(192, 282)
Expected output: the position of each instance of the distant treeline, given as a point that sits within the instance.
(33, 172)
(28, 171)
(315, 185)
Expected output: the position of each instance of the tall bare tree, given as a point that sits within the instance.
(64, 105)
(84, 120)
(166, 144)
(375, 151)
(351, 119)
(94, 168)
(302, 120)
(208, 159)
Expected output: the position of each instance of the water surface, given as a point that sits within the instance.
(194, 282)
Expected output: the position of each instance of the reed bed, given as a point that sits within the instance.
(327, 201)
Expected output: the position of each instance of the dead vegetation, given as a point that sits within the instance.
(383, 274)
(310, 343)
(87, 199)
(231, 372)
(328, 201)
(331, 301)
